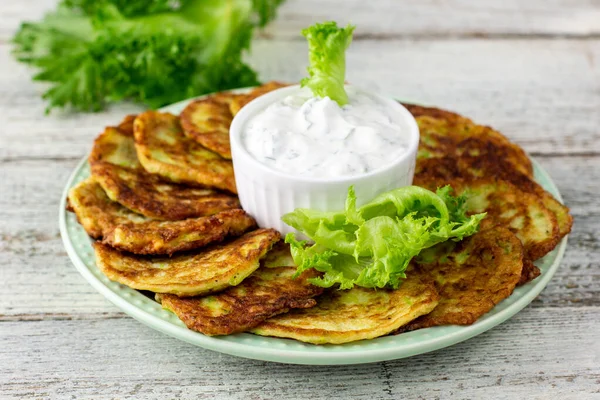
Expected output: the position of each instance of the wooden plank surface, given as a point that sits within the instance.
(401, 18)
(529, 68)
(543, 95)
(142, 363)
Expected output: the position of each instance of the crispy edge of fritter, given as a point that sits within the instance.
(174, 236)
(141, 194)
(535, 249)
(207, 122)
(100, 147)
(103, 148)
(240, 101)
(438, 113)
(88, 217)
(126, 126)
(210, 169)
(463, 301)
(105, 219)
(497, 142)
(262, 295)
(496, 145)
(530, 272)
(501, 169)
(217, 282)
(413, 288)
(451, 167)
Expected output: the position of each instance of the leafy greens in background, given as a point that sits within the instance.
(327, 44)
(156, 52)
(371, 246)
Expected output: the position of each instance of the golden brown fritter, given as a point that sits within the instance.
(523, 213)
(116, 168)
(444, 133)
(481, 271)
(200, 272)
(207, 122)
(264, 294)
(123, 229)
(343, 316)
(451, 167)
(240, 101)
(163, 149)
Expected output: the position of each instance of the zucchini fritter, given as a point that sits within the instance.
(203, 271)
(123, 229)
(267, 292)
(450, 168)
(343, 316)
(207, 122)
(240, 101)
(116, 168)
(481, 271)
(444, 133)
(163, 149)
(521, 212)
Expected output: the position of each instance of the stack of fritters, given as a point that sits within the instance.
(497, 177)
(161, 204)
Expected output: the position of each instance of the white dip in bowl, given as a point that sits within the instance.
(291, 150)
(314, 137)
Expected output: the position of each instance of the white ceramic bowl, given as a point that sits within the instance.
(267, 194)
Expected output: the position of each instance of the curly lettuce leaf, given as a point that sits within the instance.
(327, 44)
(371, 246)
(154, 52)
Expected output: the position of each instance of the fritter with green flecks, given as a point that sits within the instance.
(126, 230)
(343, 316)
(476, 275)
(207, 122)
(506, 205)
(116, 168)
(451, 167)
(240, 101)
(164, 150)
(269, 291)
(195, 273)
(444, 133)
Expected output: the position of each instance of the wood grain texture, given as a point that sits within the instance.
(124, 359)
(443, 19)
(401, 18)
(529, 68)
(544, 95)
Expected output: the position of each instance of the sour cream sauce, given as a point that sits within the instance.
(315, 137)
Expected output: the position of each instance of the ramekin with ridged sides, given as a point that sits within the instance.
(268, 194)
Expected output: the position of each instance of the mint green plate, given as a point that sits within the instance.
(147, 311)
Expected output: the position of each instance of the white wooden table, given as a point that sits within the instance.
(529, 68)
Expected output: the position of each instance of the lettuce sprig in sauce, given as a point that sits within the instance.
(327, 44)
(371, 246)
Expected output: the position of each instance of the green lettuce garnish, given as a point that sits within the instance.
(371, 246)
(96, 52)
(327, 44)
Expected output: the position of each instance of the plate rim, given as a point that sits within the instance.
(322, 356)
